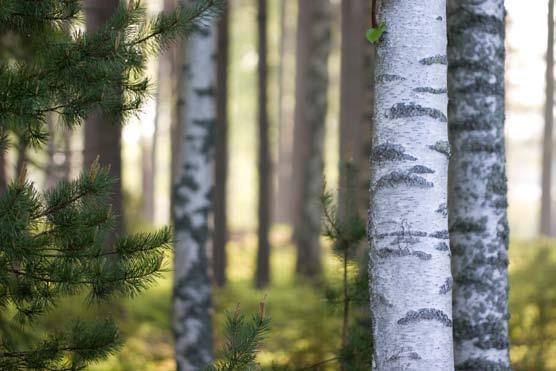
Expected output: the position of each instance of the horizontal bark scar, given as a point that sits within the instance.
(443, 147)
(420, 169)
(403, 110)
(447, 286)
(389, 78)
(482, 364)
(442, 246)
(205, 92)
(390, 152)
(430, 90)
(442, 209)
(469, 225)
(399, 253)
(436, 59)
(425, 314)
(397, 178)
(442, 235)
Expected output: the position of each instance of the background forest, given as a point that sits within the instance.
(265, 200)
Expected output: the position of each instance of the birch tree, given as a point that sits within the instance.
(410, 278)
(192, 201)
(477, 213)
(313, 48)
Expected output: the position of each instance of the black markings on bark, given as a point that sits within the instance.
(486, 144)
(389, 78)
(431, 90)
(436, 59)
(442, 246)
(441, 235)
(446, 286)
(474, 123)
(482, 364)
(483, 87)
(404, 354)
(397, 178)
(467, 20)
(442, 209)
(485, 335)
(390, 152)
(469, 225)
(439, 18)
(425, 314)
(205, 92)
(398, 253)
(420, 169)
(403, 110)
(443, 147)
(402, 233)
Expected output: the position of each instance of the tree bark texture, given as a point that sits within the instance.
(193, 201)
(478, 185)
(102, 134)
(313, 49)
(221, 154)
(546, 226)
(262, 277)
(410, 277)
(356, 100)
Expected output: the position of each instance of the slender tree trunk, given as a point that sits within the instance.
(313, 48)
(102, 134)
(282, 205)
(192, 202)
(478, 203)
(221, 154)
(410, 278)
(356, 91)
(3, 175)
(546, 227)
(148, 174)
(262, 277)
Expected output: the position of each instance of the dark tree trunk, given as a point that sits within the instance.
(103, 134)
(263, 254)
(221, 154)
(282, 206)
(3, 176)
(356, 96)
(547, 227)
(148, 173)
(313, 47)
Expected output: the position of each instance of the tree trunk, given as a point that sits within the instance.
(546, 226)
(192, 202)
(477, 212)
(262, 277)
(148, 173)
(313, 48)
(102, 134)
(410, 278)
(282, 205)
(356, 97)
(3, 175)
(221, 154)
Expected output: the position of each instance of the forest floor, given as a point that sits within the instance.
(305, 328)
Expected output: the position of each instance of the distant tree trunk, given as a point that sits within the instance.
(192, 202)
(221, 155)
(148, 173)
(58, 150)
(21, 156)
(262, 277)
(282, 205)
(356, 91)
(477, 188)
(3, 176)
(102, 134)
(410, 278)
(546, 226)
(313, 48)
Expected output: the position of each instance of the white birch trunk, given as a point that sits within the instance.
(410, 277)
(477, 212)
(192, 203)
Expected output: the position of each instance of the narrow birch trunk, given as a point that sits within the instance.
(410, 276)
(219, 258)
(313, 49)
(477, 212)
(262, 277)
(546, 226)
(192, 202)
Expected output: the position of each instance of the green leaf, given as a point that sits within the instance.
(375, 33)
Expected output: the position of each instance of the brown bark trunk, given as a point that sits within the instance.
(313, 46)
(3, 176)
(219, 260)
(102, 134)
(355, 107)
(262, 278)
(547, 228)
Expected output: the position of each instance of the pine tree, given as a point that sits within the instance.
(477, 193)
(53, 243)
(410, 276)
(192, 201)
(313, 48)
